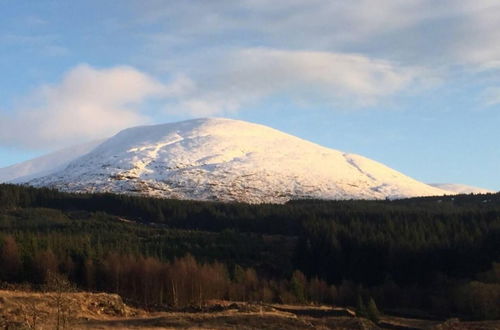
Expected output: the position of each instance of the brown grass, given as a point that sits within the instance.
(32, 310)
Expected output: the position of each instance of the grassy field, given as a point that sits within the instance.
(81, 310)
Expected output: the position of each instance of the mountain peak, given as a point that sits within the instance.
(228, 160)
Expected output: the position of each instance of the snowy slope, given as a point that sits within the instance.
(223, 159)
(46, 164)
(454, 188)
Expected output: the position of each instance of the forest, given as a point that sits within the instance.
(435, 257)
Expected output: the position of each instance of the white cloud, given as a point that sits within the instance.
(450, 39)
(419, 32)
(88, 103)
(491, 96)
(92, 103)
(247, 76)
(478, 34)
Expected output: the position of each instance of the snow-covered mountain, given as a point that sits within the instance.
(229, 160)
(455, 188)
(46, 164)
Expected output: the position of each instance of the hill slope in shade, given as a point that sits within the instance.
(454, 188)
(228, 160)
(46, 164)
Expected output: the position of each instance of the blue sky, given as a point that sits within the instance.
(413, 84)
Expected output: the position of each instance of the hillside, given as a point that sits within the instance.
(423, 256)
(228, 160)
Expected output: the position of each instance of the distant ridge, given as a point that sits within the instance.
(46, 164)
(460, 188)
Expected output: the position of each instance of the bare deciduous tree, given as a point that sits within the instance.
(58, 285)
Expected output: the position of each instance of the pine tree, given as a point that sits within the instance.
(372, 311)
(298, 286)
(360, 307)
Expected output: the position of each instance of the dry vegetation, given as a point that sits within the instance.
(80, 310)
(35, 310)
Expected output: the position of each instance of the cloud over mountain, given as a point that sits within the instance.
(246, 76)
(88, 103)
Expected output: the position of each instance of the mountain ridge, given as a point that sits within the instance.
(228, 160)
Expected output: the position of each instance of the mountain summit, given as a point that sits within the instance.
(228, 160)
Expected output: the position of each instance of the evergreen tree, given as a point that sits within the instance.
(372, 311)
(298, 285)
(360, 307)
